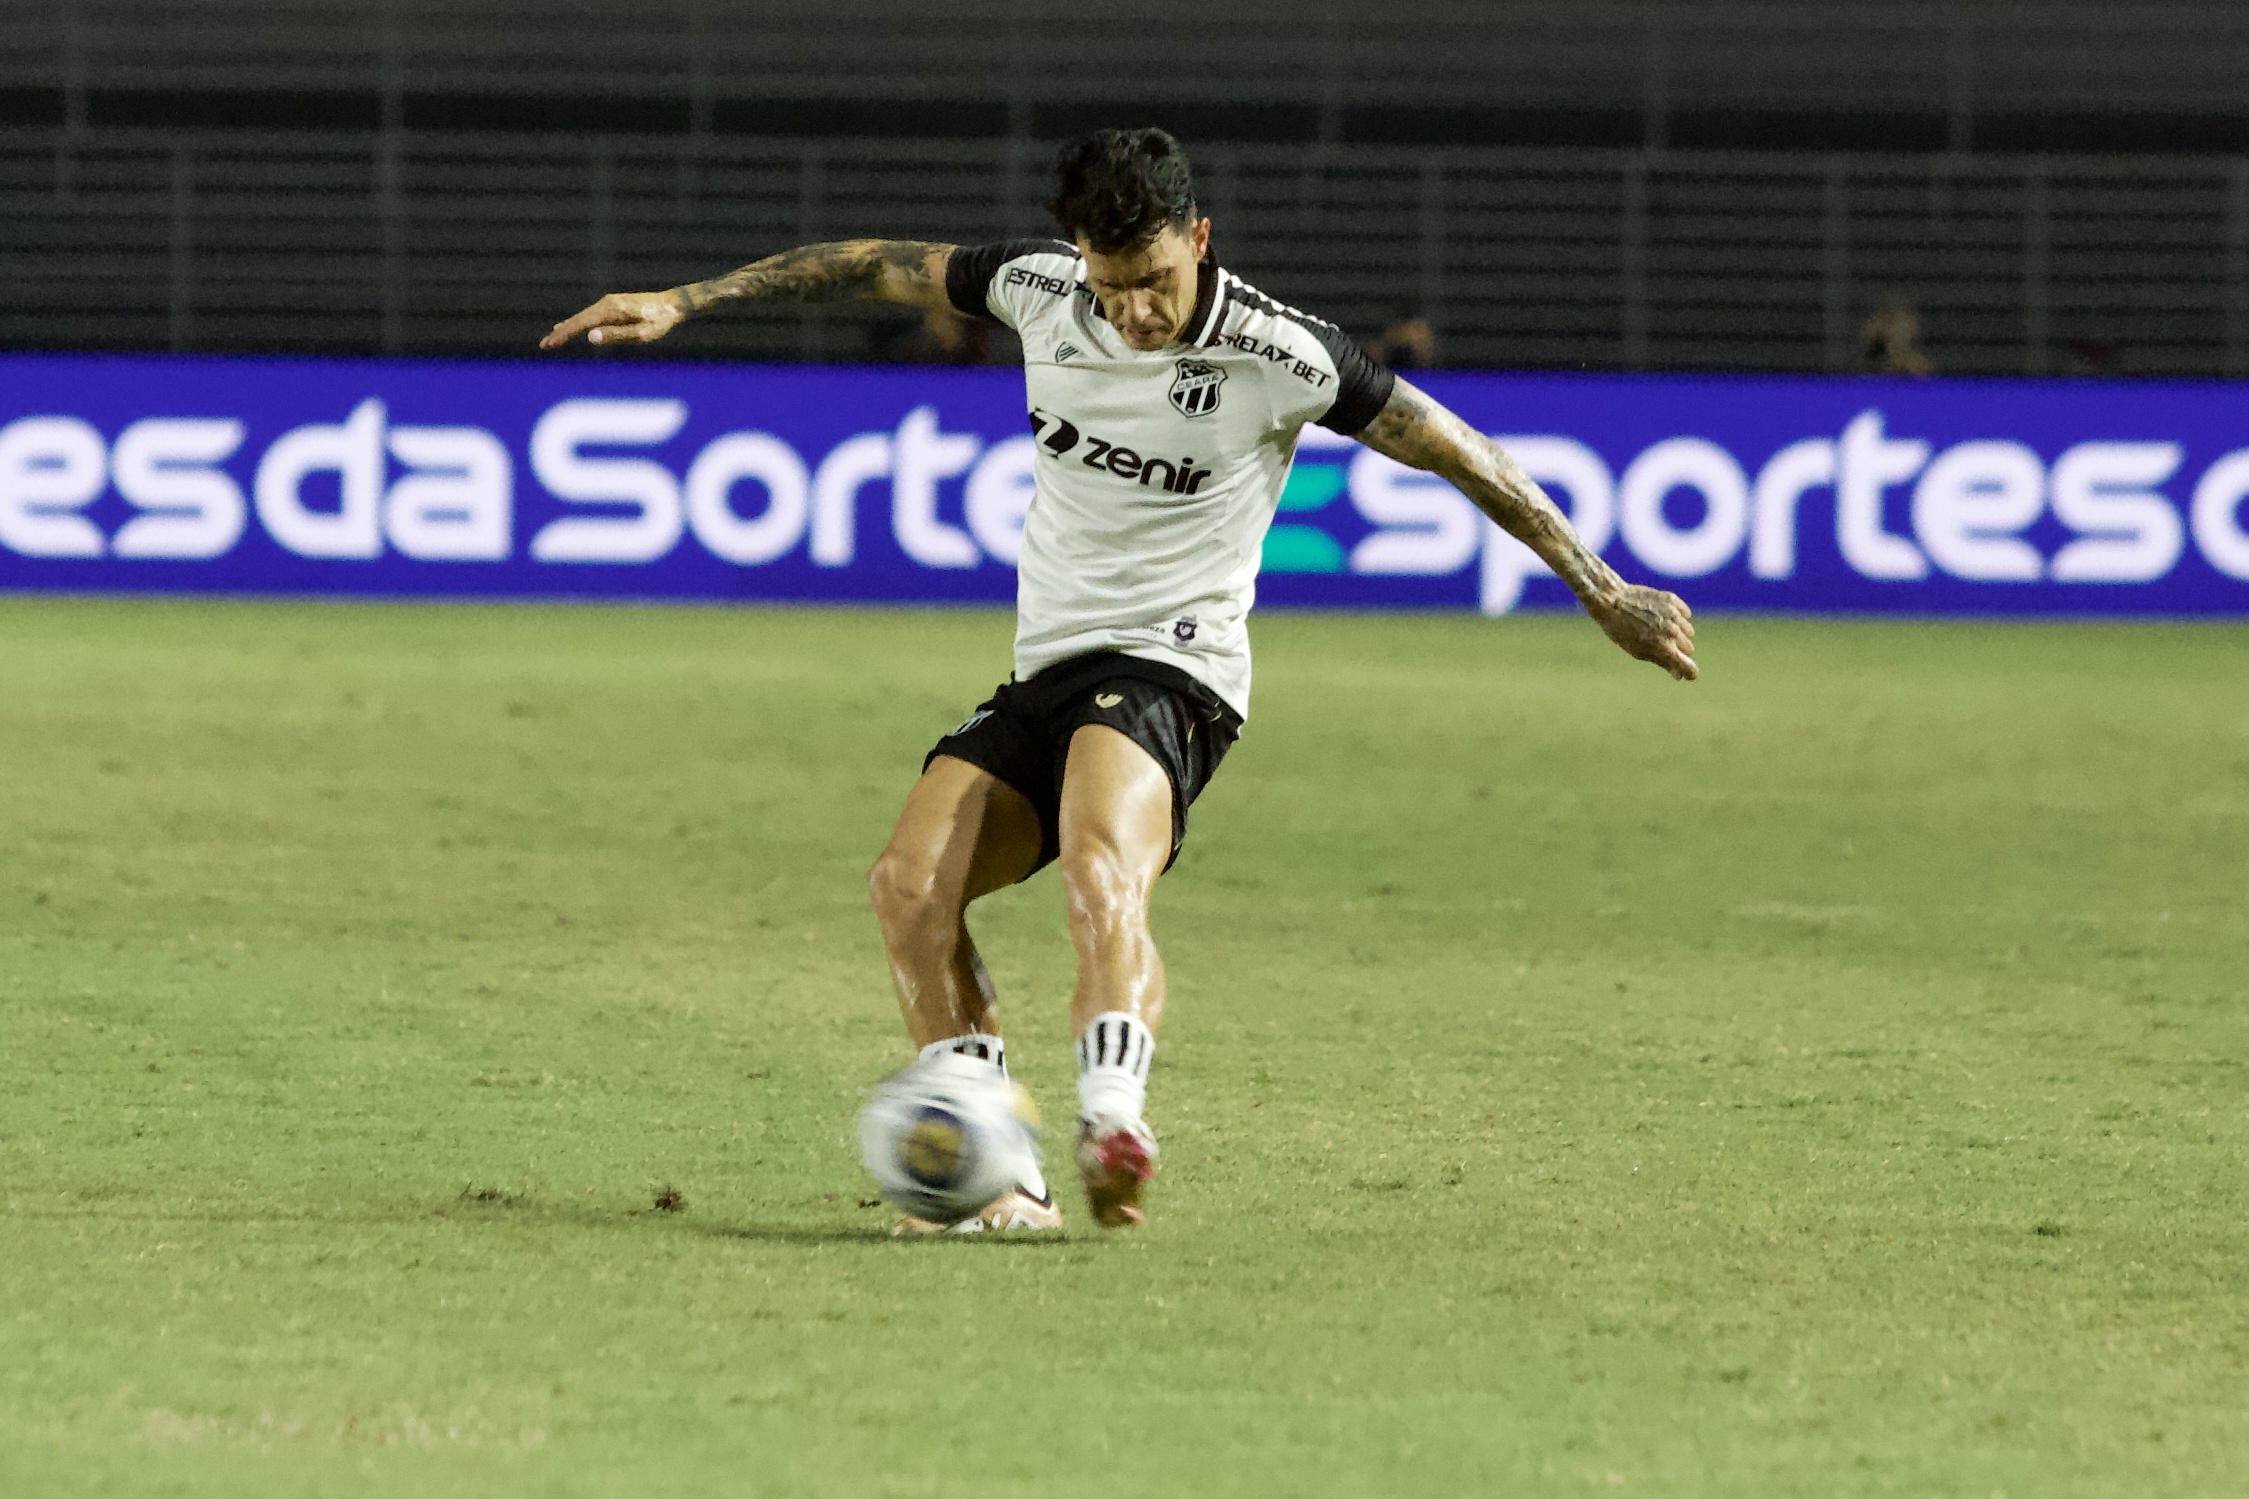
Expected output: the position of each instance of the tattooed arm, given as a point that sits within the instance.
(1647, 622)
(910, 272)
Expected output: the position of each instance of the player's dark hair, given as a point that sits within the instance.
(1118, 189)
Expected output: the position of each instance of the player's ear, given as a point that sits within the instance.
(1200, 235)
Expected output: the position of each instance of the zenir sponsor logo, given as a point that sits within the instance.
(1067, 351)
(1059, 435)
(1194, 390)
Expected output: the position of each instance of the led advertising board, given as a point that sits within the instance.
(578, 479)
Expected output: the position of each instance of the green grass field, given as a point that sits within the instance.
(1831, 1078)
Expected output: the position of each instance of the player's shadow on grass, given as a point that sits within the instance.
(496, 1205)
(489, 1207)
(775, 1233)
(682, 1221)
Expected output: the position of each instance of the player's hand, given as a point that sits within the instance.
(1650, 625)
(622, 317)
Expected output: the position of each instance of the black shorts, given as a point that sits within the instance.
(1021, 733)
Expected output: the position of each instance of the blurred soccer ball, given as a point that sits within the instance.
(946, 1136)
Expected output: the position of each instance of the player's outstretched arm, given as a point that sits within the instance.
(909, 272)
(1647, 622)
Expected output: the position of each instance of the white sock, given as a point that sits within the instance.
(975, 1044)
(1113, 1057)
(981, 1047)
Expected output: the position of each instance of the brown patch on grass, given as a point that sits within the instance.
(670, 1200)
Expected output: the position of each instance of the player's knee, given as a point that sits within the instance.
(908, 895)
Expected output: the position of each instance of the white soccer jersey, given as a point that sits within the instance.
(1158, 472)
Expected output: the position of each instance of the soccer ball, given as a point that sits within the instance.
(946, 1136)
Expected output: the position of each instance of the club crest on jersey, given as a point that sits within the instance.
(1194, 390)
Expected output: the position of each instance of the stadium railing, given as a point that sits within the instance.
(424, 243)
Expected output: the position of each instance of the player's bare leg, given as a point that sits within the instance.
(1116, 838)
(963, 834)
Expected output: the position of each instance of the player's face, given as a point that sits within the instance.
(1148, 293)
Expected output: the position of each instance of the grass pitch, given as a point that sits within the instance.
(1829, 1079)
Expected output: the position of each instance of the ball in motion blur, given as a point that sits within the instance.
(946, 1136)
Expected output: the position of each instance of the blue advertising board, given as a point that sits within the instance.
(691, 481)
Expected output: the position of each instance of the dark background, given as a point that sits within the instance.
(2042, 188)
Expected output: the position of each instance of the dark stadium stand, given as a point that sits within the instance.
(1652, 186)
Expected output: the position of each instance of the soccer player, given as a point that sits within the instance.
(1166, 396)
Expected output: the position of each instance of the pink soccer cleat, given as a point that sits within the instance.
(1116, 1160)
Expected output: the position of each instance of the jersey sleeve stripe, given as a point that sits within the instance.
(1362, 387)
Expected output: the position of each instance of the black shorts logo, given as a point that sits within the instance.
(1194, 390)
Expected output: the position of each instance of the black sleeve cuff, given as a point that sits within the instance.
(1362, 387)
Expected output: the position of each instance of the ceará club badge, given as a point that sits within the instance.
(1194, 390)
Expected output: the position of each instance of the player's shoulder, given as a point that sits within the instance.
(1339, 385)
(1249, 320)
(1033, 266)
